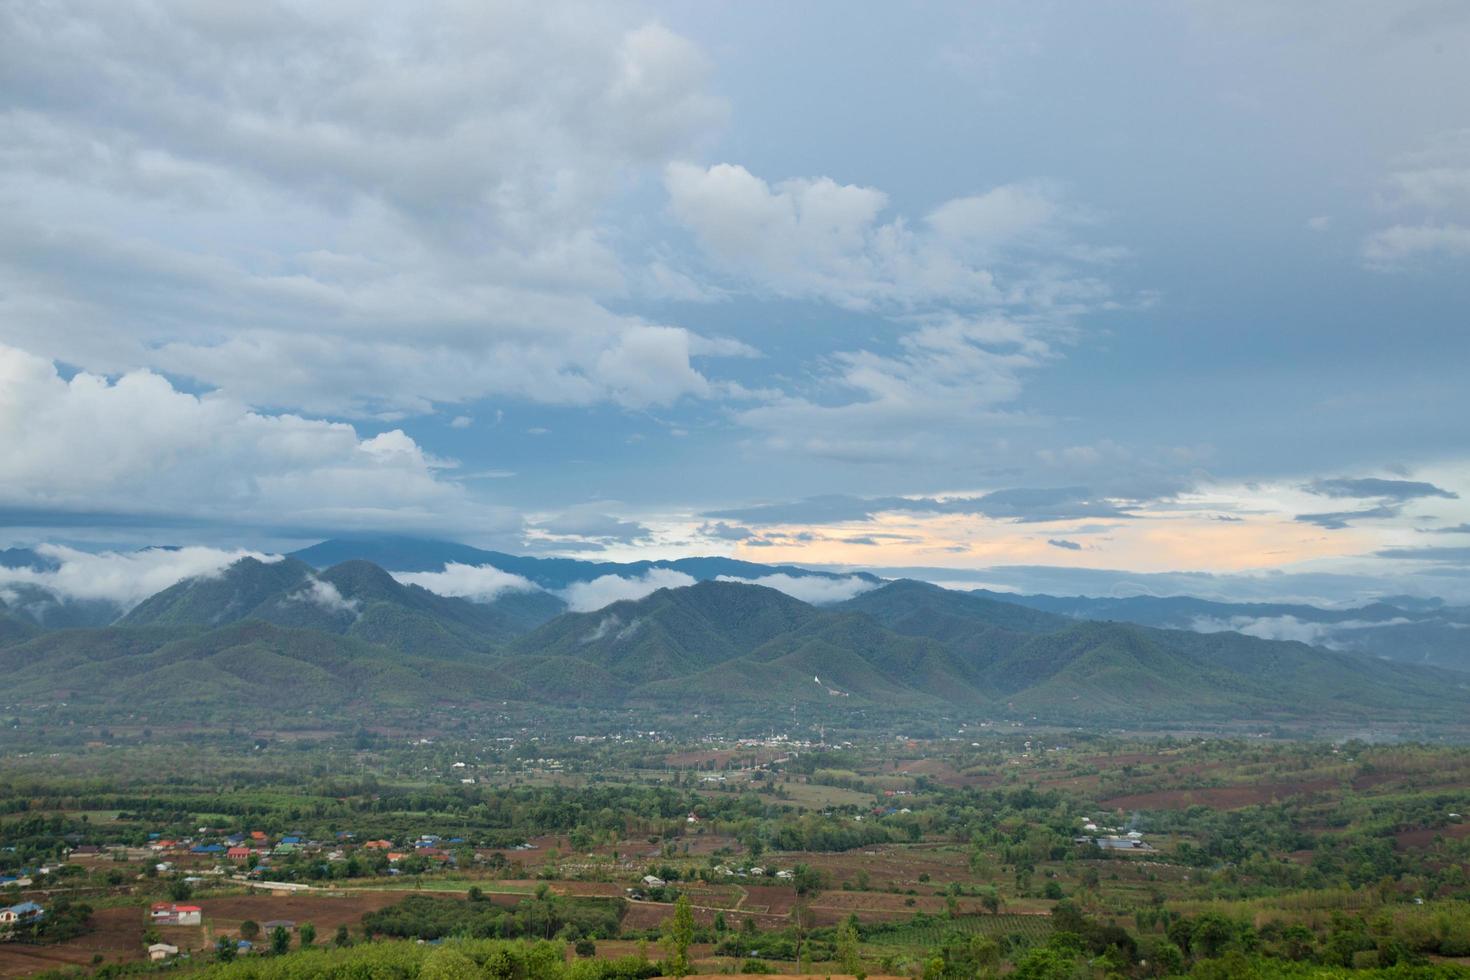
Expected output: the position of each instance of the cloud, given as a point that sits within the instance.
(815, 589)
(1365, 487)
(324, 594)
(461, 422)
(1354, 586)
(612, 625)
(1064, 544)
(136, 445)
(1021, 504)
(125, 578)
(811, 237)
(1430, 188)
(1292, 628)
(725, 532)
(985, 288)
(480, 583)
(345, 212)
(1397, 245)
(1391, 494)
(589, 522)
(1445, 554)
(607, 589)
(1337, 520)
(1454, 529)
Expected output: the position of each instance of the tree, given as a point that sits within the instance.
(808, 880)
(306, 935)
(280, 940)
(224, 949)
(249, 929)
(678, 935)
(803, 919)
(180, 890)
(847, 946)
(343, 937)
(448, 964)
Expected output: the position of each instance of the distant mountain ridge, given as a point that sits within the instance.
(1399, 628)
(355, 599)
(352, 637)
(402, 554)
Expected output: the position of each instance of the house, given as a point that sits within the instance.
(162, 951)
(379, 845)
(164, 914)
(239, 853)
(21, 914)
(274, 924)
(207, 849)
(654, 881)
(258, 836)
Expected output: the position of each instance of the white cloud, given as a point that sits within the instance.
(1291, 628)
(983, 288)
(1430, 192)
(813, 237)
(137, 445)
(325, 595)
(126, 578)
(815, 589)
(340, 212)
(612, 625)
(481, 583)
(946, 377)
(607, 589)
(1393, 247)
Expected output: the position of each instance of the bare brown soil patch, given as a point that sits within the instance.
(117, 934)
(224, 915)
(1425, 837)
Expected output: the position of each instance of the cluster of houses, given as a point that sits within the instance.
(258, 851)
(1110, 839)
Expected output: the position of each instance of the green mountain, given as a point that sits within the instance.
(671, 632)
(1401, 628)
(974, 626)
(13, 629)
(355, 599)
(227, 597)
(265, 638)
(240, 671)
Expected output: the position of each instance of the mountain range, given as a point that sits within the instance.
(266, 637)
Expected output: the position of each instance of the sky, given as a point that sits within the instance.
(1046, 296)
